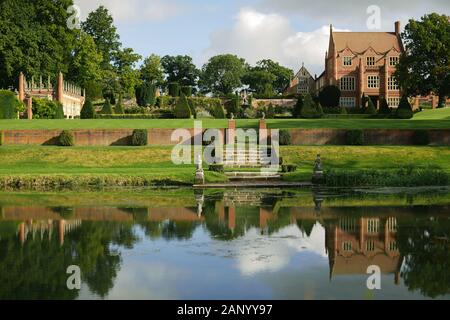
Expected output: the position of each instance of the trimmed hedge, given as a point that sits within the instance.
(66, 139)
(161, 114)
(88, 111)
(285, 138)
(354, 138)
(139, 138)
(217, 168)
(47, 109)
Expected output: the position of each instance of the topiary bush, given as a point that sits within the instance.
(107, 109)
(87, 112)
(217, 168)
(174, 89)
(330, 96)
(186, 90)
(118, 108)
(404, 110)
(285, 138)
(146, 94)
(66, 139)
(309, 110)
(286, 168)
(384, 106)
(2, 138)
(371, 109)
(182, 109)
(297, 112)
(139, 138)
(59, 112)
(354, 138)
(421, 138)
(218, 111)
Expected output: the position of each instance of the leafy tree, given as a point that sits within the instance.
(87, 112)
(270, 112)
(424, 68)
(9, 105)
(404, 110)
(222, 74)
(260, 81)
(34, 39)
(180, 69)
(186, 90)
(282, 74)
(174, 89)
(100, 26)
(47, 109)
(85, 66)
(233, 107)
(124, 65)
(152, 70)
(182, 109)
(107, 109)
(329, 96)
(297, 113)
(146, 94)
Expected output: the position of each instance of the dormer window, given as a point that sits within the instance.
(393, 61)
(370, 61)
(347, 61)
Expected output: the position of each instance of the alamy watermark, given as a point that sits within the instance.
(74, 19)
(74, 280)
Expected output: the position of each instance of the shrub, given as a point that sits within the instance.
(186, 90)
(319, 109)
(370, 108)
(330, 96)
(297, 113)
(164, 101)
(285, 138)
(384, 106)
(354, 138)
(421, 138)
(309, 110)
(47, 109)
(182, 109)
(66, 139)
(217, 168)
(107, 109)
(146, 94)
(87, 112)
(192, 108)
(219, 111)
(233, 106)
(343, 110)
(404, 110)
(9, 105)
(286, 168)
(174, 89)
(139, 137)
(270, 114)
(118, 108)
(2, 138)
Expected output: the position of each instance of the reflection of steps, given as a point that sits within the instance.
(243, 198)
(256, 175)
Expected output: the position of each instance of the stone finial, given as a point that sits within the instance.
(263, 116)
(318, 174)
(232, 116)
(318, 164)
(199, 173)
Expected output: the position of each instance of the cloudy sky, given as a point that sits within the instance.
(289, 31)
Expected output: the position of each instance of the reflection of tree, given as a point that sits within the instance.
(425, 246)
(37, 269)
(169, 230)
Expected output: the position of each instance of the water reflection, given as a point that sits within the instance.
(248, 236)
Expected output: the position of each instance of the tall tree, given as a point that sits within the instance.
(125, 66)
(282, 74)
(180, 69)
(34, 39)
(222, 74)
(100, 26)
(152, 70)
(424, 68)
(259, 81)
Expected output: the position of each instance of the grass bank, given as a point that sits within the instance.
(53, 167)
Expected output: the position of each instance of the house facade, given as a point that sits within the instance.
(363, 64)
(302, 83)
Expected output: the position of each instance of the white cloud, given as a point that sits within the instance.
(255, 36)
(134, 11)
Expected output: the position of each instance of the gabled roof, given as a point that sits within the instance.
(359, 42)
(304, 70)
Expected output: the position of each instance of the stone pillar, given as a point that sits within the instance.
(60, 88)
(21, 87)
(263, 133)
(416, 103)
(22, 233)
(61, 231)
(361, 83)
(30, 108)
(232, 218)
(386, 80)
(434, 101)
(231, 132)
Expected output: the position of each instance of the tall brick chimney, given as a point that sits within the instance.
(398, 28)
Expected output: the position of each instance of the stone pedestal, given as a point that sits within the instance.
(30, 108)
(231, 131)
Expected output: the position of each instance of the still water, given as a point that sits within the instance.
(248, 244)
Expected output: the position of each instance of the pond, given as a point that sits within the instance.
(224, 244)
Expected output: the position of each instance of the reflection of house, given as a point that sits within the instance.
(302, 83)
(354, 244)
(69, 95)
(45, 229)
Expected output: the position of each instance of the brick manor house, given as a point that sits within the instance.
(360, 63)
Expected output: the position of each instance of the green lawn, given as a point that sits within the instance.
(153, 163)
(429, 119)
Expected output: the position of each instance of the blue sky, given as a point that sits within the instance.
(289, 31)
